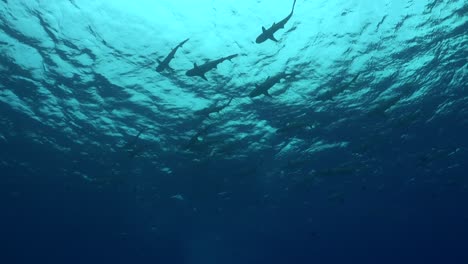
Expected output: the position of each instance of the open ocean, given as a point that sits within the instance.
(234, 131)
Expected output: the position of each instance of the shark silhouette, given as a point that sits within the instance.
(267, 84)
(269, 33)
(201, 70)
(165, 63)
(330, 94)
(212, 109)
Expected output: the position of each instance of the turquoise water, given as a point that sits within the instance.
(364, 129)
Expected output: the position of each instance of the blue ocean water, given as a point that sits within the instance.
(340, 138)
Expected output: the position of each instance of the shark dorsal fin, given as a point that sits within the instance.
(195, 65)
(263, 29)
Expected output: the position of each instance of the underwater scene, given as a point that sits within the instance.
(234, 131)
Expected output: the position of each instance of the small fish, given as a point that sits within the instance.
(178, 197)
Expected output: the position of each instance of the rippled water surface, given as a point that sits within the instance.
(357, 153)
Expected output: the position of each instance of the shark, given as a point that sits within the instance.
(131, 147)
(267, 84)
(164, 64)
(212, 109)
(330, 94)
(269, 33)
(197, 139)
(135, 138)
(201, 70)
(294, 126)
(381, 109)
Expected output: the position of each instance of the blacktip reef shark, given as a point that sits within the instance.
(267, 84)
(197, 139)
(165, 63)
(212, 109)
(269, 33)
(330, 94)
(201, 70)
(131, 147)
(294, 126)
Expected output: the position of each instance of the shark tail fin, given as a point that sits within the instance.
(183, 42)
(355, 78)
(229, 102)
(232, 56)
(294, 4)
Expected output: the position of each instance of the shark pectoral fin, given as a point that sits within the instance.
(263, 29)
(273, 38)
(159, 61)
(267, 94)
(204, 77)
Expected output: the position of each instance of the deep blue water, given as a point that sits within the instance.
(358, 154)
